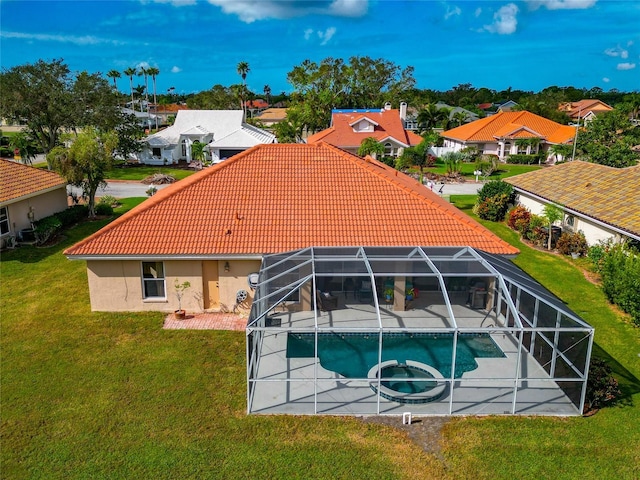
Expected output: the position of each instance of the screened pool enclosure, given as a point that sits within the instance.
(427, 330)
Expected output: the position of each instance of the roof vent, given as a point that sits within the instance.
(588, 185)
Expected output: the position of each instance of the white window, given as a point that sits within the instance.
(388, 149)
(153, 285)
(4, 220)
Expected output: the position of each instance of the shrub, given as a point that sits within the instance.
(72, 215)
(570, 242)
(523, 159)
(621, 279)
(494, 188)
(602, 388)
(47, 228)
(596, 254)
(537, 232)
(493, 208)
(104, 209)
(109, 200)
(519, 218)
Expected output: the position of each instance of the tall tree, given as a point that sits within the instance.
(114, 75)
(333, 83)
(243, 68)
(608, 140)
(48, 98)
(154, 72)
(144, 72)
(429, 117)
(267, 93)
(216, 98)
(25, 145)
(130, 72)
(85, 162)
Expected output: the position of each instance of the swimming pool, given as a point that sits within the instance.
(353, 355)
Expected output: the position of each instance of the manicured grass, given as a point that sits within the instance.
(112, 395)
(143, 171)
(606, 445)
(505, 170)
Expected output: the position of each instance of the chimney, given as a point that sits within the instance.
(387, 106)
(403, 111)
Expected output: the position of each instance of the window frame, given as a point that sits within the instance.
(158, 280)
(5, 224)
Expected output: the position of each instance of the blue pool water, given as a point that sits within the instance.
(352, 355)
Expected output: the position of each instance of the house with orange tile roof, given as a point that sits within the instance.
(27, 194)
(224, 132)
(350, 127)
(602, 202)
(213, 228)
(269, 117)
(499, 134)
(584, 109)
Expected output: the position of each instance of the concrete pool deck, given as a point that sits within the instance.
(286, 385)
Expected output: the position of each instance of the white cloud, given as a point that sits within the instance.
(249, 11)
(307, 33)
(451, 12)
(505, 21)
(326, 35)
(561, 4)
(617, 52)
(606, 79)
(76, 40)
(478, 12)
(626, 66)
(175, 69)
(175, 3)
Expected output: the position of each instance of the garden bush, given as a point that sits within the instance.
(519, 218)
(104, 209)
(72, 215)
(493, 208)
(537, 232)
(621, 279)
(602, 387)
(572, 242)
(47, 228)
(523, 159)
(494, 188)
(109, 200)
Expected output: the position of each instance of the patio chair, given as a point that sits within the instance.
(365, 292)
(326, 301)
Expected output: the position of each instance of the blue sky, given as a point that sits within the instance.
(527, 45)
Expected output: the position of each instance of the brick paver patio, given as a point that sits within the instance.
(206, 321)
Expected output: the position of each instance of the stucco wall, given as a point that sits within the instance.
(43, 205)
(592, 231)
(116, 285)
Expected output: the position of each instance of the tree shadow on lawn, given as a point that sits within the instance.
(628, 383)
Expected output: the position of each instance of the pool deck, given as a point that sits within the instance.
(286, 385)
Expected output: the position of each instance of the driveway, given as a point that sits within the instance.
(119, 189)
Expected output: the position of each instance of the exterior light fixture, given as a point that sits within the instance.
(226, 266)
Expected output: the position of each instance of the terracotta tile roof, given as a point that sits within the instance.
(257, 103)
(581, 108)
(18, 180)
(282, 197)
(490, 128)
(387, 124)
(611, 195)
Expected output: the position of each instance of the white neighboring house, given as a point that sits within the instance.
(223, 131)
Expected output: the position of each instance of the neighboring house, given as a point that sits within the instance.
(584, 109)
(271, 116)
(213, 228)
(254, 107)
(168, 112)
(350, 127)
(499, 134)
(27, 194)
(223, 131)
(411, 121)
(505, 106)
(602, 202)
(144, 119)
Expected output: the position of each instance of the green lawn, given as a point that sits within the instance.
(142, 171)
(112, 395)
(505, 170)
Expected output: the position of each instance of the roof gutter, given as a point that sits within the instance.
(162, 257)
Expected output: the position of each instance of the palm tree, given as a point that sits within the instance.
(144, 72)
(429, 117)
(371, 146)
(114, 74)
(242, 69)
(130, 72)
(459, 118)
(153, 71)
(267, 93)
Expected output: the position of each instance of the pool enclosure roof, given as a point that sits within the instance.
(284, 274)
